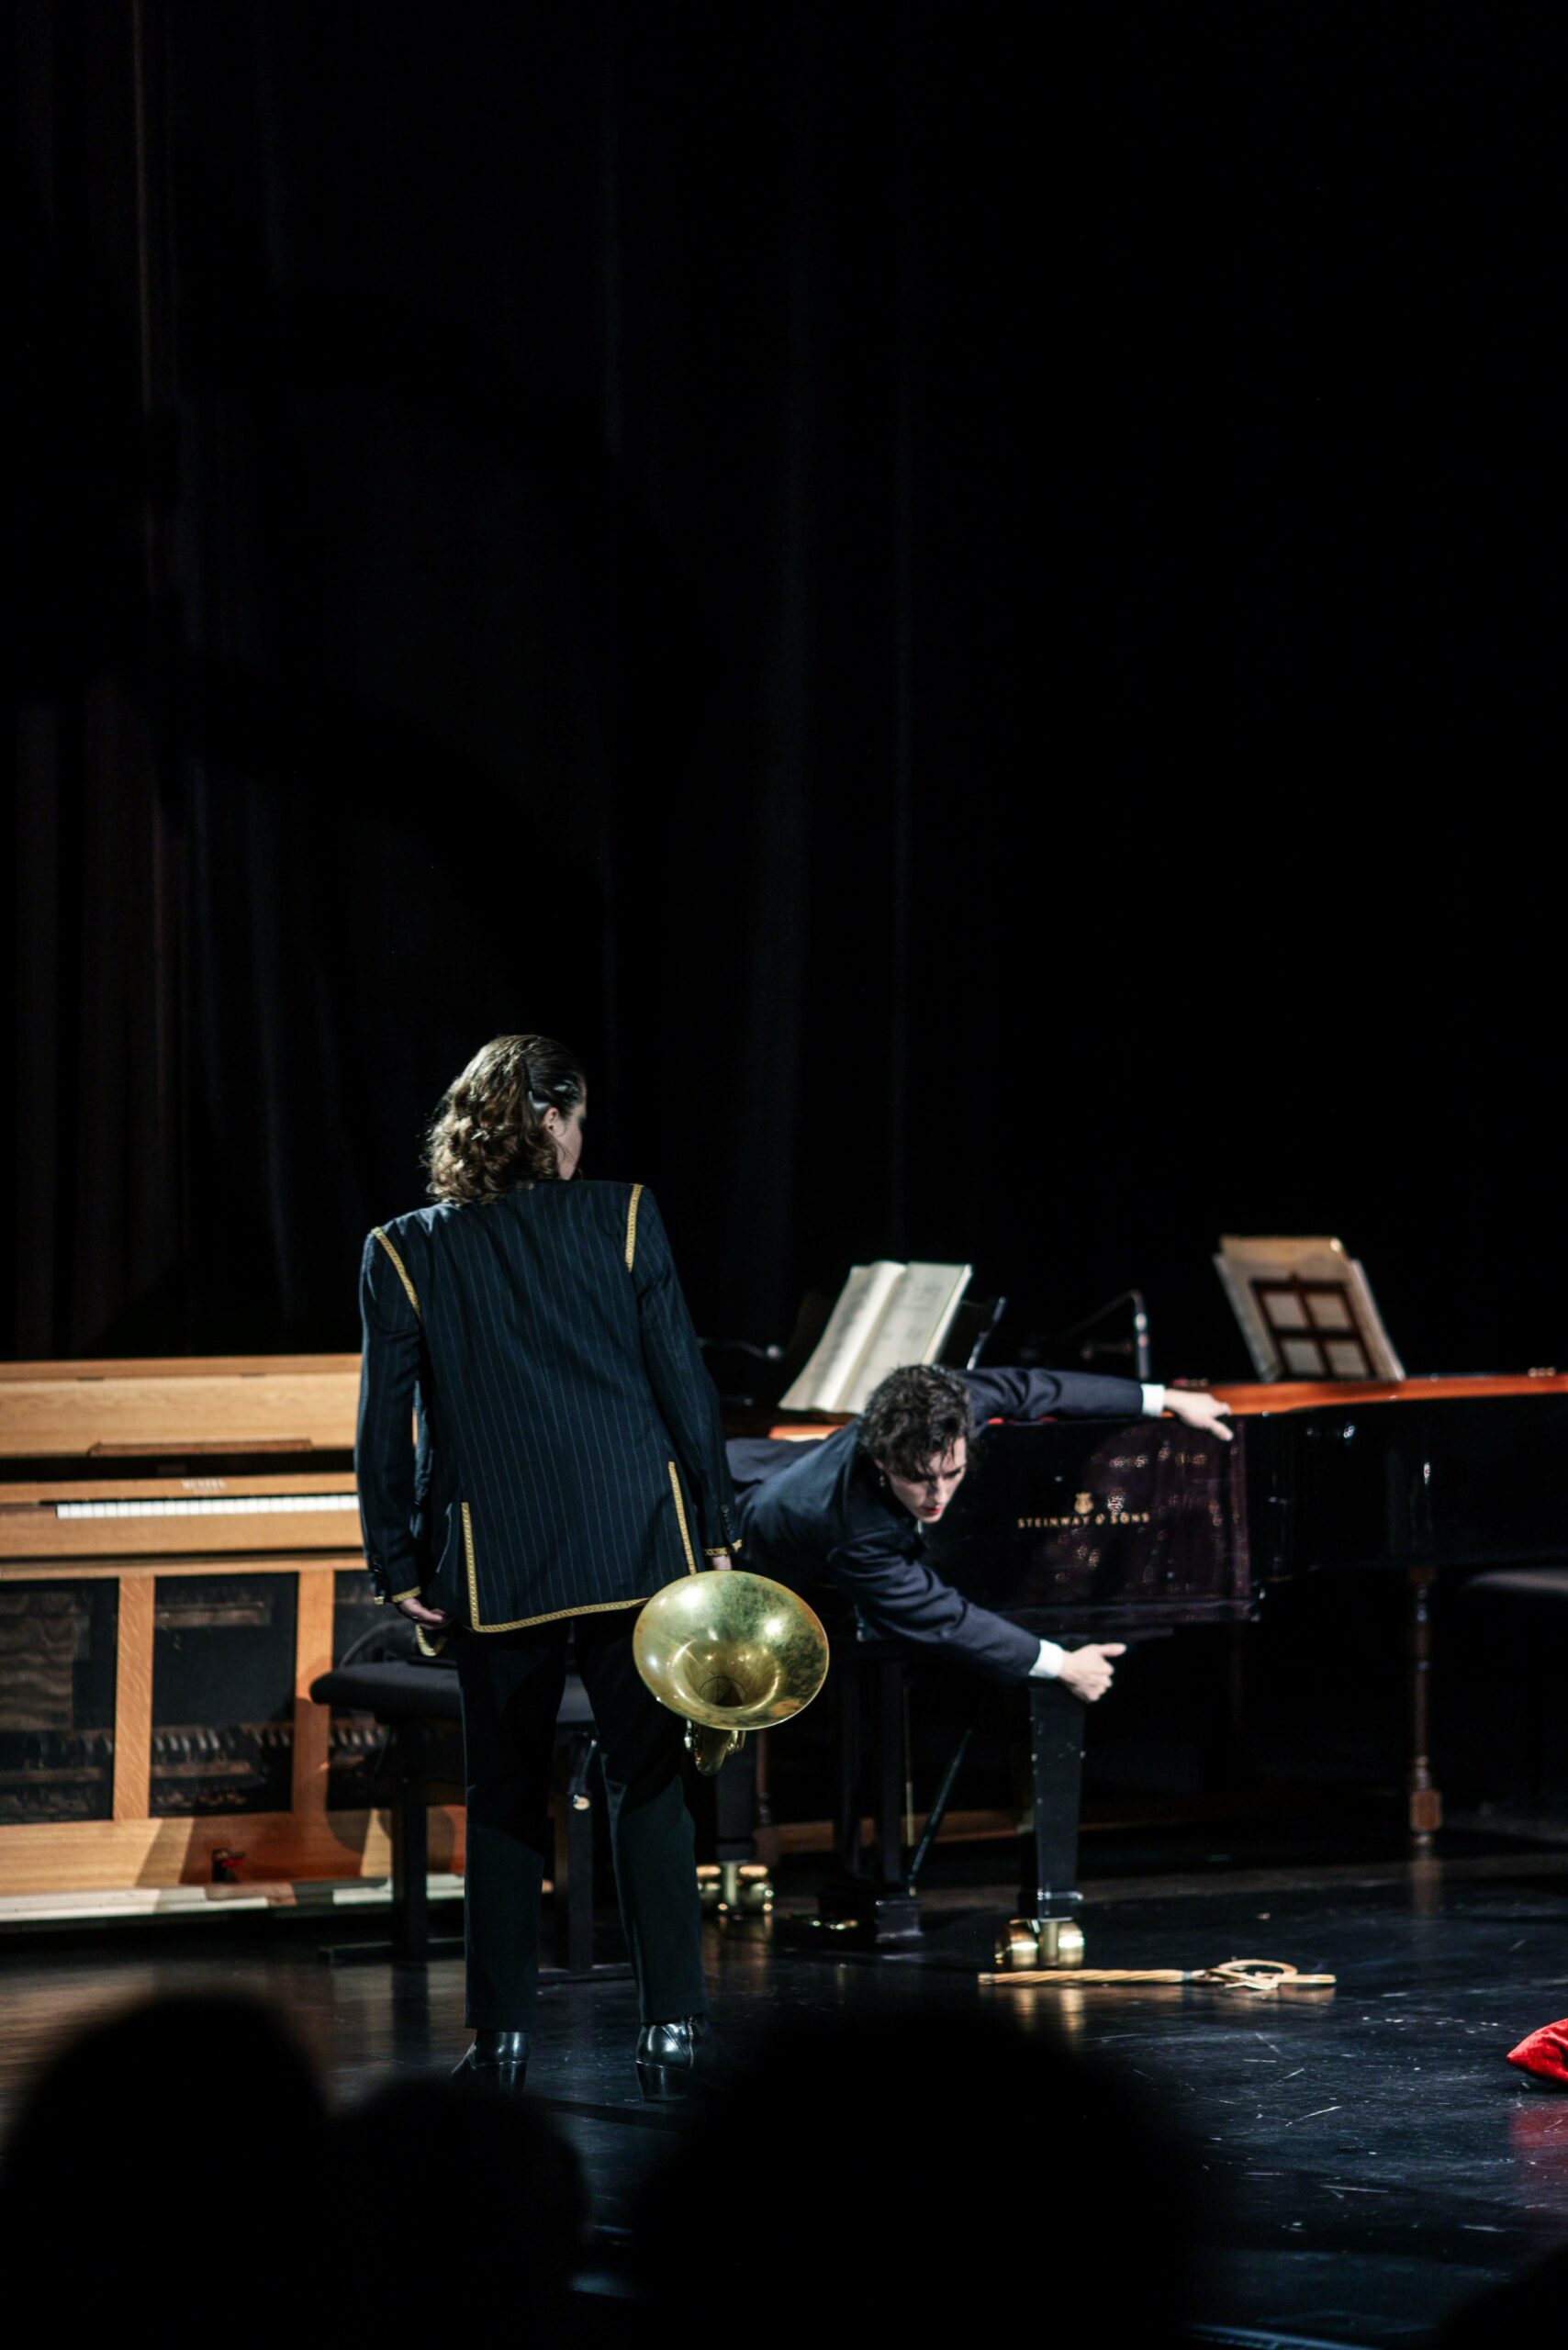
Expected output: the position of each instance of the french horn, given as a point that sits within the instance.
(729, 1652)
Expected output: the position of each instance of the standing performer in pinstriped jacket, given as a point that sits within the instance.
(569, 1461)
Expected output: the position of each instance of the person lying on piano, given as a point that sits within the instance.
(855, 1506)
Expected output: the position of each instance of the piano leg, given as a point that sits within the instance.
(734, 1809)
(1049, 1898)
(1409, 1476)
(736, 1883)
(1425, 1798)
(847, 1838)
(411, 1864)
(870, 1906)
(572, 1875)
(890, 1732)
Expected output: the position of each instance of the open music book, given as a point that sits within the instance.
(1307, 1310)
(887, 1315)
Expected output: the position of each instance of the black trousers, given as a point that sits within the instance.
(511, 1692)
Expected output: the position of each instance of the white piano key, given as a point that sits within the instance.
(214, 1505)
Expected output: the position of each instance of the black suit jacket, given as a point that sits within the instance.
(821, 1509)
(570, 1455)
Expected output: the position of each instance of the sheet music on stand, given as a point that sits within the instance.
(1307, 1310)
(887, 1313)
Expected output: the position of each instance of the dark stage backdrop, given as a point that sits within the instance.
(974, 616)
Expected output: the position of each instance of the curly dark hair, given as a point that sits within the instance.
(916, 1416)
(488, 1135)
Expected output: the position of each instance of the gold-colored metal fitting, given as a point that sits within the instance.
(1035, 1941)
(735, 1889)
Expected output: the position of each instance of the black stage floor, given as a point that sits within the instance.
(1368, 2160)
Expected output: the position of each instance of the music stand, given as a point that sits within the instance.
(1307, 1310)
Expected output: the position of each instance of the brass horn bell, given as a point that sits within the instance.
(730, 1652)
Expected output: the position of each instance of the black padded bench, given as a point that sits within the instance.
(419, 1706)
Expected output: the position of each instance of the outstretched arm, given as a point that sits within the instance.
(907, 1599)
(1017, 1394)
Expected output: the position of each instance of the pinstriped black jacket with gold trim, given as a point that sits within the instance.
(570, 1455)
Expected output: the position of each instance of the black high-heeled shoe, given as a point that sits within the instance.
(497, 2060)
(678, 2058)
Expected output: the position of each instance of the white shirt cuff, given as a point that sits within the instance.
(1048, 1664)
(1153, 1400)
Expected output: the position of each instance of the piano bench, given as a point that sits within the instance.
(1527, 1607)
(419, 1706)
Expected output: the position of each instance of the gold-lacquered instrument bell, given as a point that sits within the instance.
(730, 1652)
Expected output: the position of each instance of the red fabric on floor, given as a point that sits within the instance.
(1545, 2052)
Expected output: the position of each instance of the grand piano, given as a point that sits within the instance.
(1090, 1530)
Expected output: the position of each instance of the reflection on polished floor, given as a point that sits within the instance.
(1367, 2160)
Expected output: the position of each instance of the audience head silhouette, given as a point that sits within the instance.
(180, 2139)
(882, 2171)
(472, 2198)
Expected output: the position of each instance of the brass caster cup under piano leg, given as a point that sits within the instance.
(1039, 1941)
(734, 1889)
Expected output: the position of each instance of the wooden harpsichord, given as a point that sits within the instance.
(179, 1559)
